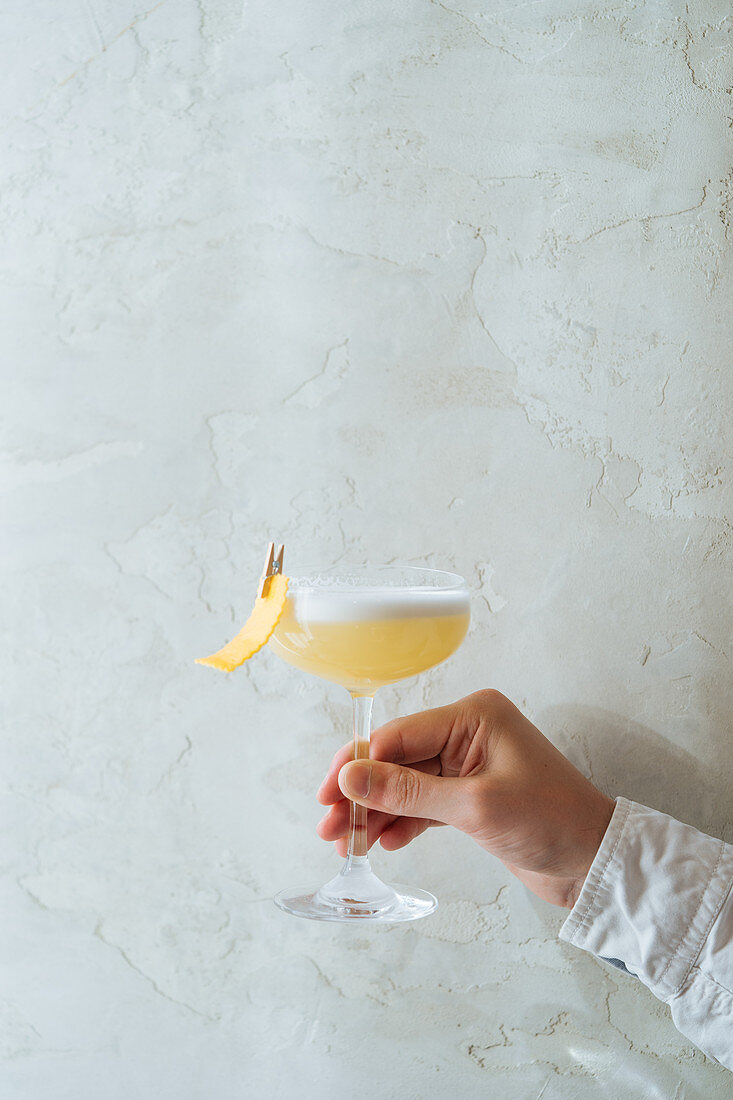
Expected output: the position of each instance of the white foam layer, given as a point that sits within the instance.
(340, 605)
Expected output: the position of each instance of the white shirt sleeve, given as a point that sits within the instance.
(657, 902)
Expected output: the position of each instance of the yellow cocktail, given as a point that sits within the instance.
(371, 638)
(364, 629)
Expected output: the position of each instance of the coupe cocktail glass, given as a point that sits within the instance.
(364, 628)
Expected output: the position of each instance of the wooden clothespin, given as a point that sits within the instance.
(273, 565)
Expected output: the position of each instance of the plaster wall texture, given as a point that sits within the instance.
(447, 284)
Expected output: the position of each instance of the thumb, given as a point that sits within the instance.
(406, 792)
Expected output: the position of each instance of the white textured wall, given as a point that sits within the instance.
(447, 284)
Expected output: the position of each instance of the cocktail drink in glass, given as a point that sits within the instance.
(364, 628)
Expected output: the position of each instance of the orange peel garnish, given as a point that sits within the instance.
(256, 631)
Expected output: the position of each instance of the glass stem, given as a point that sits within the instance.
(358, 848)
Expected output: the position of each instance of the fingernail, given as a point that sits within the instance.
(355, 779)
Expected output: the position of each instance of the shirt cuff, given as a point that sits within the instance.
(651, 896)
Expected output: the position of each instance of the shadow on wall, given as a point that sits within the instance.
(624, 758)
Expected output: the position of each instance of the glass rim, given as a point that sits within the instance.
(423, 578)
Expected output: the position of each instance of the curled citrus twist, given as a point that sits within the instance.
(256, 631)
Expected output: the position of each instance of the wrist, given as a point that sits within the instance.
(592, 838)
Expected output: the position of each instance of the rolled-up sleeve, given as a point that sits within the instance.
(657, 901)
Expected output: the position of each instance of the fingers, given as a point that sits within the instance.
(416, 737)
(402, 831)
(409, 792)
(336, 823)
(375, 828)
(380, 748)
(329, 790)
(408, 740)
(393, 836)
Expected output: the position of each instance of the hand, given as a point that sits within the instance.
(481, 766)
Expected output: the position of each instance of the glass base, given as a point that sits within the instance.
(356, 894)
